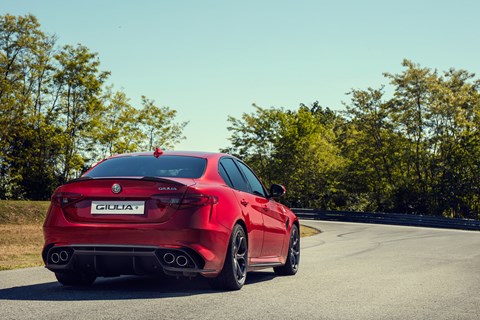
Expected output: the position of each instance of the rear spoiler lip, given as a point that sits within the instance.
(155, 179)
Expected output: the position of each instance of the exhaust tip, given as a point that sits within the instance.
(63, 255)
(182, 261)
(169, 258)
(55, 257)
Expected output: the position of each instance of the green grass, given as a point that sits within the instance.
(21, 237)
(23, 212)
(20, 245)
(308, 231)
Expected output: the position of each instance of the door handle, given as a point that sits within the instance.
(244, 202)
(265, 209)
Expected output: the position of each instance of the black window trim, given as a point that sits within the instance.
(255, 175)
(250, 189)
(220, 165)
(241, 174)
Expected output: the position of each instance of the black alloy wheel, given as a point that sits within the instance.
(293, 257)
(234, 272)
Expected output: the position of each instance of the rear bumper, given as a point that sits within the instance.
(120, 248)
(111, 260)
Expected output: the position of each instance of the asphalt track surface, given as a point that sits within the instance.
(349, 271)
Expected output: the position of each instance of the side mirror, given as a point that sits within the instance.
(277, 190)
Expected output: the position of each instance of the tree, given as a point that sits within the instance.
(26, 144)
(254, 138)
(117, 129)
(455, 143)
(57, 117)
(272, 140)
(122, 128)
(416, 152)
(371, 145)
(159, 126)
(79, 85)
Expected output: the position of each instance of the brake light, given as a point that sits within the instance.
(180, 201)
(62, 199)
(158, 152)
(198, 200)
(171, 200)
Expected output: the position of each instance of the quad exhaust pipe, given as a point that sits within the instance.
(177, 259)
(173, 258)
(182, 261)
(55, 257)
(63, 255)
(60, 257)
(169, 258)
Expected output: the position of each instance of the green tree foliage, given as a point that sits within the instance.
(442, 169)
(27, 146)
(368, 142)
(158, 125)
(414, 152)
(78, 83)
(116, 130)
(57, 117)
(295, 148)
(122, 128)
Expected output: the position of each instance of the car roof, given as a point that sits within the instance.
(210, 174)
(198, 154)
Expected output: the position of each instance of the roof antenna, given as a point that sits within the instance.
(158, 152)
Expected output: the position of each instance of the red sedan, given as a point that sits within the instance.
(173, 213)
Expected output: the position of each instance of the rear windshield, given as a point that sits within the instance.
(149, 166)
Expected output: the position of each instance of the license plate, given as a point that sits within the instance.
(118, 207)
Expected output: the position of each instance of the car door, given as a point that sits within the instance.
(249, 204)
(274, 218)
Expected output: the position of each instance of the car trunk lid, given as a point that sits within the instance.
(121, 199)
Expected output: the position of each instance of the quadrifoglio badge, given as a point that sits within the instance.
(116, 188)
(118, 207)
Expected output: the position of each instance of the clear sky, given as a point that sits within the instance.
(211, 59)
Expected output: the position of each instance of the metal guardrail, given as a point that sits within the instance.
(388, 218)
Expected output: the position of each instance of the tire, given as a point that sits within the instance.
(293, 257)
(71, 278)
(234, 272)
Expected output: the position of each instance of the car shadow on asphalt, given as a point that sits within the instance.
(121, 288)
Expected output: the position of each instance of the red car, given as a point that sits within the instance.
(173, 213)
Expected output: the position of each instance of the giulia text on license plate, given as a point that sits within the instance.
(118, 207)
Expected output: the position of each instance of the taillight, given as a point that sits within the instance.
(181, 201)
(62, 199)
(170, 200)
(198, 200)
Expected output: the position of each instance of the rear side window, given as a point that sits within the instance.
(255, 184)
(234, 177)
(225, 176)
(149, 166)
